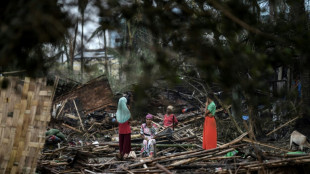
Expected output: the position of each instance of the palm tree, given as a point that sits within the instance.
(105, 23)
(101, 30)
(69, 47)
(82, 4)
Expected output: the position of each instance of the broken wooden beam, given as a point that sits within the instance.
(281, 126)
(262, 144)
(78, 115)
(62, 107)
(70, 127)
(163, 168)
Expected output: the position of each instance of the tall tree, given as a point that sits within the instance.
(230, 42)
(82, 4)
(300, 24)
(101, 30)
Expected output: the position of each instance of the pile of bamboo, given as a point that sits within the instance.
(182, 153)
(96, 159)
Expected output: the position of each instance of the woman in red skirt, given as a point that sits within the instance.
(124, 130)
(209, 140)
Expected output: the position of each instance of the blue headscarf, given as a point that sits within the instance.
(123, 113)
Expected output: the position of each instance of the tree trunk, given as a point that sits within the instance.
(106, 70)
(299, 20)
(74, 44)
(305, 86)
(272, 10)
(82, 48)
(68, 53)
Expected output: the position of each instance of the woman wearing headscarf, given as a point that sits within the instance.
(148, 133)
(209, 140)
(124, 131)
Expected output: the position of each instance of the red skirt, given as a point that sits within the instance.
(209, 139)
(124, 143)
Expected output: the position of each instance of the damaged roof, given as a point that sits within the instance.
(91, 96)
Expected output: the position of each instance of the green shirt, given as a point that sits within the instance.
(212, 108)
(55, 132)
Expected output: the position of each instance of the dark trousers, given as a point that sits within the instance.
(124, 143)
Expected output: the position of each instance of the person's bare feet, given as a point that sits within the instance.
(151, 155)
(119, 157)
(125, 156)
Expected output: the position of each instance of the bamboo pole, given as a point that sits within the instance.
(127, 170)
(236, 140)
(55, 86)
(63, 105)
(12, 72)
(165, 150)
(285, 124)
(202, 156)
(281, 161)
(78, 115)
(70, 127)
(192, 153)
(157, 145)
(262, 144)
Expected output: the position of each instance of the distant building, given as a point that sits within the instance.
(96, 57)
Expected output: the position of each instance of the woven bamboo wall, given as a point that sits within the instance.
(24, 113)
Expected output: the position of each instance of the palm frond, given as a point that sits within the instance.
(99, 31)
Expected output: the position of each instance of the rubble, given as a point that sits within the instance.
(93, 143)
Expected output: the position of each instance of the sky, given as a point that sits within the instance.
(90, 25)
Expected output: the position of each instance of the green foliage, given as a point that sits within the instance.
(25, 26)
(230, 43)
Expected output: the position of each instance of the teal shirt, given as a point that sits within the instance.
(212, 108)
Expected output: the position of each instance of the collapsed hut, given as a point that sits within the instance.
(92, 96)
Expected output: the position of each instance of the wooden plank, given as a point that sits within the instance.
(63, 105)
(78, 115)
(71, 116)
(55, 87)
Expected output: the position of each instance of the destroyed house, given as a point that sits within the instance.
(89, 97)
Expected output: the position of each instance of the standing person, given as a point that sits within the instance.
(148, 133)
(209, 140)
(124, 131)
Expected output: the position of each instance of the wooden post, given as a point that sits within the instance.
(63, 105)
(78, 115)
